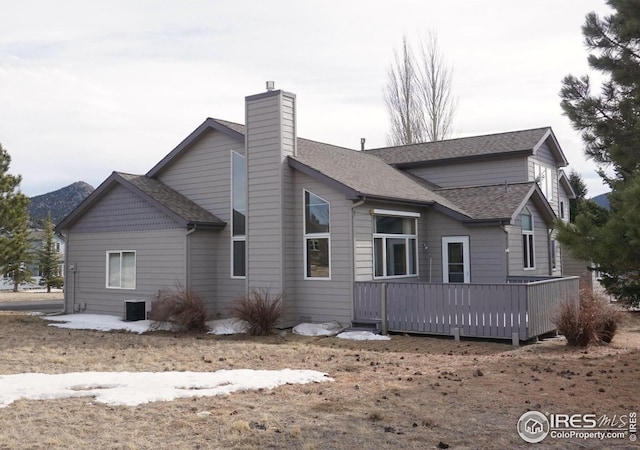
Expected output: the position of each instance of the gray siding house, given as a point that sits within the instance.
(240, 207)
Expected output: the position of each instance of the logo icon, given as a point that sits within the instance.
(533, 427)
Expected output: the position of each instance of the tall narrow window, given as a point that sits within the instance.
(544, 177)
(528, 249)
(316, 237)
(238, 215)
(121, 270)
(395, 246)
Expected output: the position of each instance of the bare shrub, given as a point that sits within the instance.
(182, 307)
(588, 320)
(260, 309)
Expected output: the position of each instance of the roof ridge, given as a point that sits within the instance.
(515, 183)
(459, 138)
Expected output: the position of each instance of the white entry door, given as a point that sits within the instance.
(455, 259)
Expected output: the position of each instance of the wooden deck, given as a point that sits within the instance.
(518, 311)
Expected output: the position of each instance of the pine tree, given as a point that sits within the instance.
(48, 257)
(14, 219)
(610, 126)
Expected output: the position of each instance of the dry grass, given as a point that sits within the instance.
(410, 392)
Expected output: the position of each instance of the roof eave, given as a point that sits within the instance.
(558, 154)
(89, 201)
(541, 203)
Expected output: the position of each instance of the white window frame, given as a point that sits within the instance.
(544, 177)
(237, 238)
(384, 236)
(528, 250)
(107, 273)
(311, 237)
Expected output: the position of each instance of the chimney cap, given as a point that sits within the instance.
(271, 85)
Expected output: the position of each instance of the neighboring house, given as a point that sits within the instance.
(235, 208)
(37, 238)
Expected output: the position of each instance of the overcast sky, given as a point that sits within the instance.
(90, 87)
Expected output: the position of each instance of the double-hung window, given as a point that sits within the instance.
(528, 248)
(238, 215)
(395, 242)
(317, 238)
(121, 270)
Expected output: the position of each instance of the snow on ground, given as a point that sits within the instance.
(102, 322)
(126, 388)
(318, 329)
(363, 336)
(228, 326)
(131, 389)
(98, 322)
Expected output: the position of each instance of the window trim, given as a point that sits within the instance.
(135, 269)
(384, 236)
(237, 238)
(528, 251)
(314, 236)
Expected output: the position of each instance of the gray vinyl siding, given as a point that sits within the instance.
(269, 139)
(121, 210)
(363, 243)
(475, 173)
(160, 262)
(202, 267)
(321, 300)
(203, 174)
(540, 242)
(487, 249)
(563, 196)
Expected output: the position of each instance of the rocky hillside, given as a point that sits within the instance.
(60, 203)
(602, 200)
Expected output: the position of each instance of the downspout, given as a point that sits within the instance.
(549, 255)
(353, 257)
(66, 285)
(187, 255)
(506, 250)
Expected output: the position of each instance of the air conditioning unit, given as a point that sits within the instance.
(135, 310)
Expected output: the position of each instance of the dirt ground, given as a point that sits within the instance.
(412, 392)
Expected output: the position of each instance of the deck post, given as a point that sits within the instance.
(515, 339)
(383, 306)
(456, 333)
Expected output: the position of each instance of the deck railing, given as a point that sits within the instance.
(516, 311)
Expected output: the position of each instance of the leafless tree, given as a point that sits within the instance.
(418, 94)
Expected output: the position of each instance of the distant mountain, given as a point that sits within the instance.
(602, 200)
(60, 203)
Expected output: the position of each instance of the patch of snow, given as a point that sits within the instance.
(98, 322)
(228, 326)
(363, 336)
(318, 329)
(136, 388)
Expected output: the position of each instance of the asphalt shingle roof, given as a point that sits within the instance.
(468, 147)
(366, 174)
(175, 202)
(499, 201)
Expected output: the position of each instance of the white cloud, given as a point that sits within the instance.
(90, 88)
